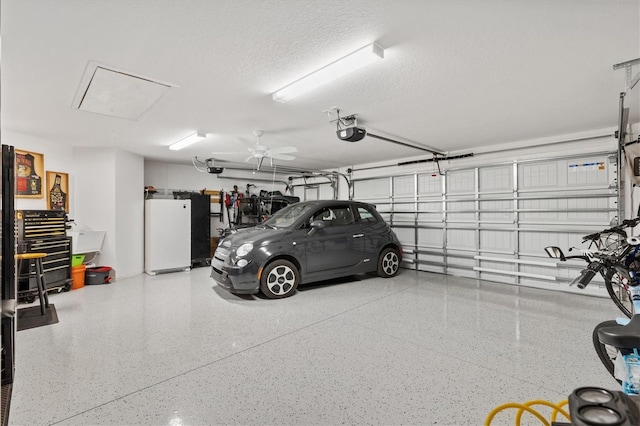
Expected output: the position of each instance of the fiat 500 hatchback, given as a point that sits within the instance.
(306, 242)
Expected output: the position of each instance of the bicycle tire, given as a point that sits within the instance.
(606, 353)
(618, 292)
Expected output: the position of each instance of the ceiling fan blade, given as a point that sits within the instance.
(227, 153)
(282, 156)
(283, 150)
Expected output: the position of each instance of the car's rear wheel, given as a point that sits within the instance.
(388, 263)
(279, 279)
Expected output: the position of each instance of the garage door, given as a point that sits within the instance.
(320, 191)
(493, 222)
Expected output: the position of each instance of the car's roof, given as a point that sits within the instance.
(322, 203)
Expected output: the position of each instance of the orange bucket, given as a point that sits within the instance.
(77, 276)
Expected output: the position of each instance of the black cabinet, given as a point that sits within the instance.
(44, 231)
(200, 226)
(56, 266)
(200, 229)
(7, 276)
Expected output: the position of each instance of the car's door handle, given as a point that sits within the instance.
(358, 235)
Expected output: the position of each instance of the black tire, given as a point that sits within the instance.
(618, 292)
(606, 353)
(279, 279)
(388, 263)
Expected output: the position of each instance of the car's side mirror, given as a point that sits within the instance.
(315, 226)
(554, 252)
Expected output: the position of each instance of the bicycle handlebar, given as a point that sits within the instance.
(619, 229)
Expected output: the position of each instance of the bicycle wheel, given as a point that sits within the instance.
(606, 353)
(618, 291)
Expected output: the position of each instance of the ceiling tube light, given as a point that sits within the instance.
(189, 140)
(353, 61)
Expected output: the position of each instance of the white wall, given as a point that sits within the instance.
(129, 213)
(95, 188)
(110, 186)
(105, 193)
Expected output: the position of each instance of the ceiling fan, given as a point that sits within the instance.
(260, 152)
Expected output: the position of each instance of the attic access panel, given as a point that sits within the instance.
(116, 93)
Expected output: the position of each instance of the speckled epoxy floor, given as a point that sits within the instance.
(421, 348)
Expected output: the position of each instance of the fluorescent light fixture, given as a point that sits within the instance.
(334, 70)
(185, 142)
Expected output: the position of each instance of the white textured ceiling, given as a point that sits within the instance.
(457, 75)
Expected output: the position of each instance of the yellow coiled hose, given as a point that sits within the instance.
(557, 408)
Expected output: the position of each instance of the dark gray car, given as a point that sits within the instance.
(306, 242)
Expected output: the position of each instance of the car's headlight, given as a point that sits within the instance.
(244, 249)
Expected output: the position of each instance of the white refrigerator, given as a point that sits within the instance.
(167, 235)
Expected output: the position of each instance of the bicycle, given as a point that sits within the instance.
(617, 344)
(615, 257)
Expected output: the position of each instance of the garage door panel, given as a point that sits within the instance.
(430, 211)
(508, 211)
(403, 186)
(428, 184)
(431, 237)
(461, 272)
(460, 182)
(497, 241)
(496, 210)
(496, 178)
(431, 268)
(428, 258)
(371, 188)
(326, 191)
(461, 211)
(538, 175)
(573, 209)
(572, 172)
(407, 236)
(498, 278)
(533, 242)
(461, 239)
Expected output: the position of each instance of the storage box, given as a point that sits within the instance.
(98, 275)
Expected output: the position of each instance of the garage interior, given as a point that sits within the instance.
(492, 130)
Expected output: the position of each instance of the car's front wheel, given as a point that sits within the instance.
(388, 263)
(279, 279)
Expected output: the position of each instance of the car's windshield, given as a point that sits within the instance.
(288, 216)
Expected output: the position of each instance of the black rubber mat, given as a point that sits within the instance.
(32, 317)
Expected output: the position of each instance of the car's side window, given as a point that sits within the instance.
(335, 216)
(366, 215)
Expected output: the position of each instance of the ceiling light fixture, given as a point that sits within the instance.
(189, 140)
(334, 70)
